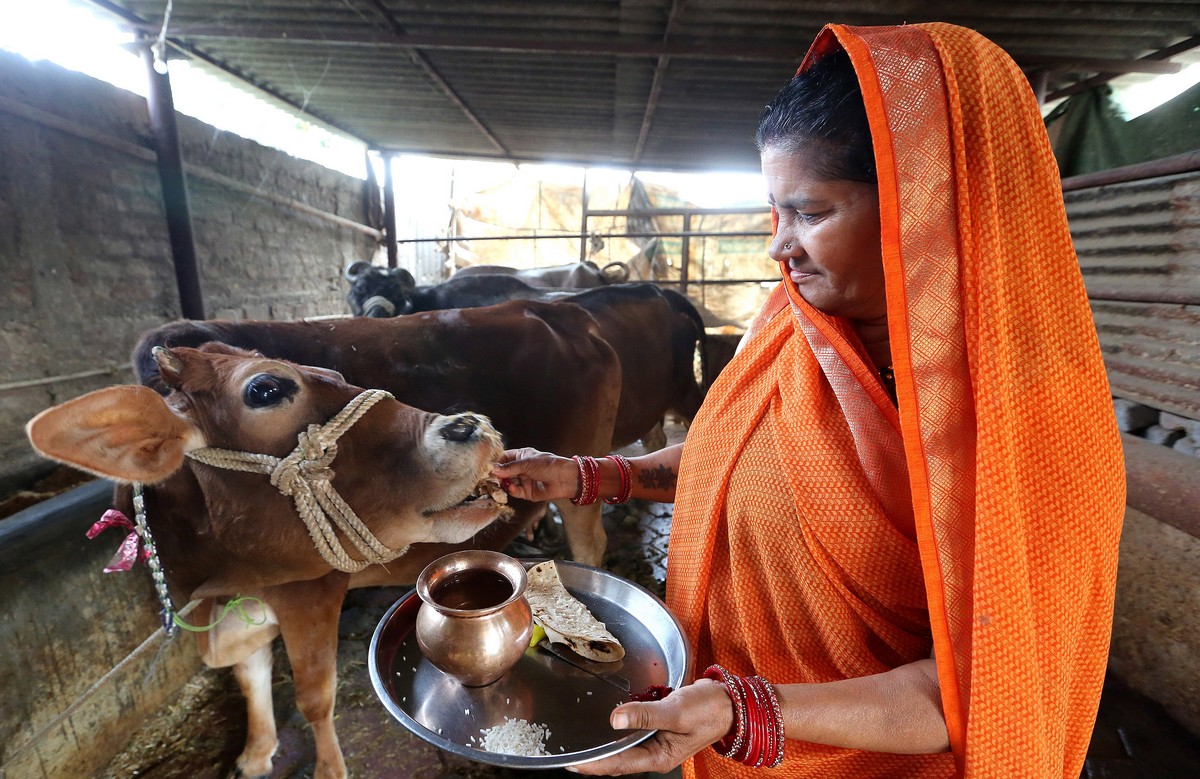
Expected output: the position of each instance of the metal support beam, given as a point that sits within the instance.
(583, 220)
(423, 63)
(1107, 74)
(685, 253)
(373, 208)
(1187, 162)
(389, 211)
(165, 134)
(656, 84)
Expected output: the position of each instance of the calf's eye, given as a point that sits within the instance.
(266, 390)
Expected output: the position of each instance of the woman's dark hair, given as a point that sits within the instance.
(823, 104)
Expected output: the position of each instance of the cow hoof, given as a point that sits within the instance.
(258, 771)
(238, 773)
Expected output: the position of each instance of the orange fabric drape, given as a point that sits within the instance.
(790, 556)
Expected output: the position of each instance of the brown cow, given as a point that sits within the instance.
(655, 331)
(221, 533)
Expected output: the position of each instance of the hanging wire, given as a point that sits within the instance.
(159, 47)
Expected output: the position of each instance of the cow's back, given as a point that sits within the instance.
(656, 344)
(532, 367)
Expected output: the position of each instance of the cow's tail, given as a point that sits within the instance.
(680, 304)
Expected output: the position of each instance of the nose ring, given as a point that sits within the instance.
(787, 247)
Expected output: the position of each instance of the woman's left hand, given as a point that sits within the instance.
(688, 720)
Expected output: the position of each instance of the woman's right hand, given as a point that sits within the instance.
(537, 476)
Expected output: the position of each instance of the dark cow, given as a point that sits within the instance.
(379, 292)
(650, 327)
(543, 372)
(575, 275)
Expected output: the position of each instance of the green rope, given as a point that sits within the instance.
(233, 605)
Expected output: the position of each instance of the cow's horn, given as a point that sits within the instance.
(356, 269)
(616, 272)
(167, 361)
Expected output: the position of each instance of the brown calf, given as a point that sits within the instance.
(222, 533)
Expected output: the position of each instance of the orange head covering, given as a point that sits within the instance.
(789, 556)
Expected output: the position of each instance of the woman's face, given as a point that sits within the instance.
(828, 235)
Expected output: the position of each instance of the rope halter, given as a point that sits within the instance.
(307, 476)
(379, 301)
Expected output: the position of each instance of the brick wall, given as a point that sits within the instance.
(85, 263)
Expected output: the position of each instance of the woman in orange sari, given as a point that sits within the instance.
(897, 513)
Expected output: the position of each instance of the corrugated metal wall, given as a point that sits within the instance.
(1139, 249)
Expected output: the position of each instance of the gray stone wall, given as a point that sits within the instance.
(85, 263)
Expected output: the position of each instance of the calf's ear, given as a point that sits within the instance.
(124, 433)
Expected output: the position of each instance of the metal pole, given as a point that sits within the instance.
(684, 251)
(389, 210)
(171, 177)
(583, 221)
(1187, 162)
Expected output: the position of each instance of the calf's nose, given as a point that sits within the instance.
(460, 428)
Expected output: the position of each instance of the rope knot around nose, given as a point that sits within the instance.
(306, 475)
(310, 462)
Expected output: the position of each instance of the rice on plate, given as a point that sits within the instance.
(516, 737)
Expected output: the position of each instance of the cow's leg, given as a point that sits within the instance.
(308, 618)
(253, 675)
(655, 438)
(248, 649)
(585, 532)
(538, 519)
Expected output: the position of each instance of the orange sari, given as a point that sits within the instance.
(793, 553)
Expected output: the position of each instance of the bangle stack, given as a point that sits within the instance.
(626, 472)
(756, 738)
(589, 481)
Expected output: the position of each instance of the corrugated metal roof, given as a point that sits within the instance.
(655, 83)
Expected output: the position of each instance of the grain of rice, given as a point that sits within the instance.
(516, 737)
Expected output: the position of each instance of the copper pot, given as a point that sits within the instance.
(474, 623)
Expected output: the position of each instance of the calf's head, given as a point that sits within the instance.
(410, 476)
(379, 292)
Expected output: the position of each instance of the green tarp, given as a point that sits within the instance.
(1089, 134)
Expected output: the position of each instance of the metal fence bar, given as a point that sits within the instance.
(680, 211)
(578, 236)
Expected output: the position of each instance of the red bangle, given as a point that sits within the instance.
(733, 741)
(626, 473)
(589, 480)
(757, 736)
(756, 748)
(775, 754)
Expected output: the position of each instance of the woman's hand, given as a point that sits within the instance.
(537, 476)
(688, 720)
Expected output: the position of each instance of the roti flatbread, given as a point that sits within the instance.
(566, 620)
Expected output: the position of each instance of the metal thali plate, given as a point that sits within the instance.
(573, 704)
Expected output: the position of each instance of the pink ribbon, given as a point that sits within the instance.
(130, 549)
